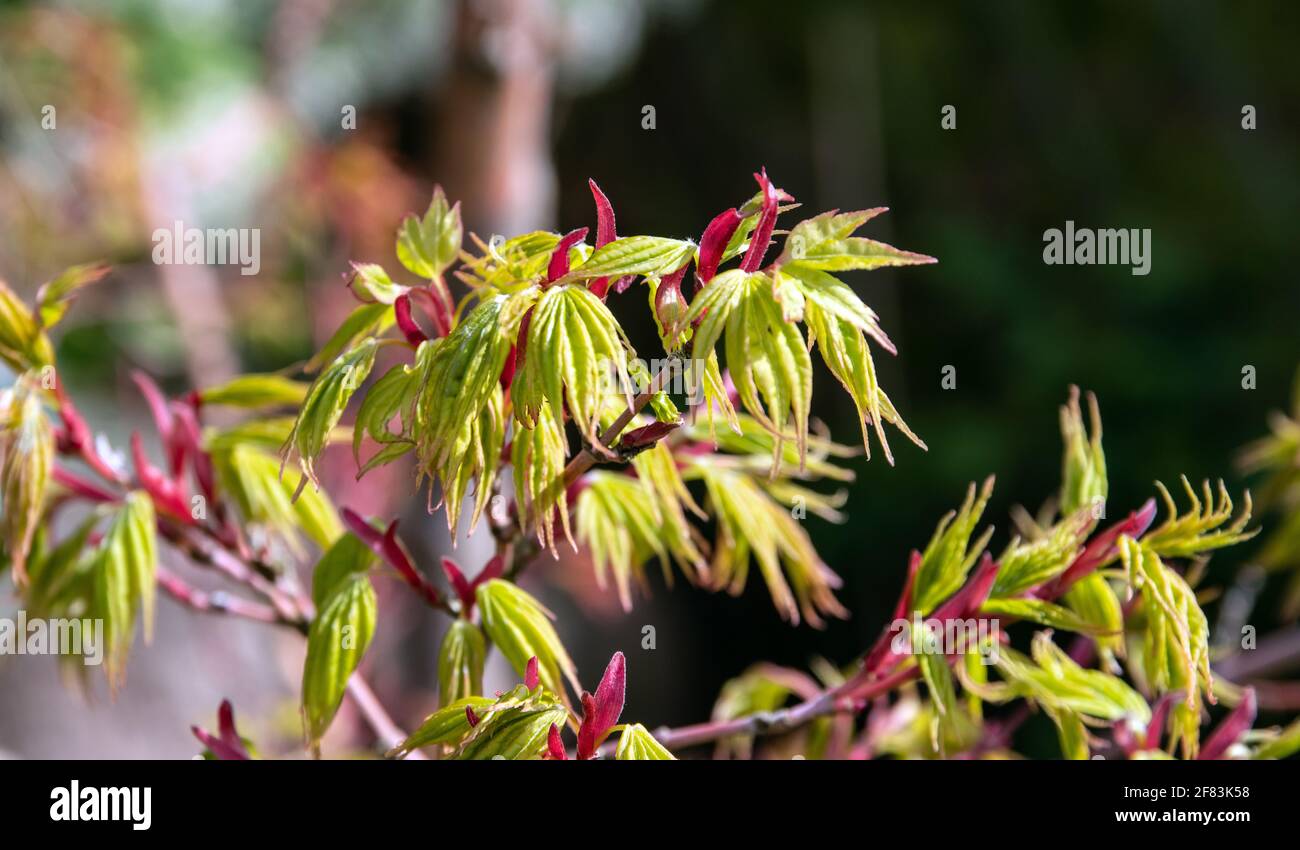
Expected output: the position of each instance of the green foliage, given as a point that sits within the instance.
(459, 417)
(521, 629)
(1093, 599)
(1175, 640)
(1083, 469)
(23, 343)
(950, 554)
(1200, 530)
(750, 522)
(1026, 564)
(26, 456)
(445, 727)
(637, 744)
(1054, 681)
(460, 662)
(254, 391)
(427, 245)
(573, 346)
(534, 348)
(635, 255)
(324, 406)
(339, 637)
(824, 243)
(54, 297)
(251, 477)
(624, 521)
(514, 727)
(538, 456)
(123, 569)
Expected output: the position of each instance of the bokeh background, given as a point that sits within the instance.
(230, 114)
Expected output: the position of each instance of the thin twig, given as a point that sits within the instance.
(217, 602)
(388, 732)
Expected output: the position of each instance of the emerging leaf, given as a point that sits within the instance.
(26, 457)
(950, 554)
(1201, 529)
(23, 343)
(637, 744)
(54, 297)
(446, 726)
(336, 642)
(538, 457)
(370, 283)
(427, 246)
(574, 347)
(460, 662)
(324, 406)
(824, 243)
(515, 727)
(1083, 467)
(1176, 652)
(253, 391)
(521, 628)
(123, 570)
(460, 420)
(251, 477)
(749, 521)
(635, 255)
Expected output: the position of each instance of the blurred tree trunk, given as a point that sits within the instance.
(493, 143)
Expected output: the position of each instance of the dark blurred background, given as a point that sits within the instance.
(1113, 115)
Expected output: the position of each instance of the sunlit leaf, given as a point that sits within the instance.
(254, 391)
(460, 662)
(950, 554)
(521, 628)
(324, 406)
(338, 639)
(637, 744)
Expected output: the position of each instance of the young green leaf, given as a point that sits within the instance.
(824, 243)
(635, 255)
(392, 394)
(1176, 652)
(54, 297)
(538, 458)
(123, 569)
(637, 744)
(521, 628)
(515, 727)
(324, 406)
(370, 283)
(254, 391)
(459, 415)
(460, 662)
(23, 343)
(26, 457)
(446, 726)
(266, 500)
(749, 521)
(365, 320)
(427, 246)
(844, 349)
(950, 554)
(1201, 529)
(1097, 605)
(336, 643)
(1083, 467)
(1028, 564)
(574, 350)
(348, 557)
